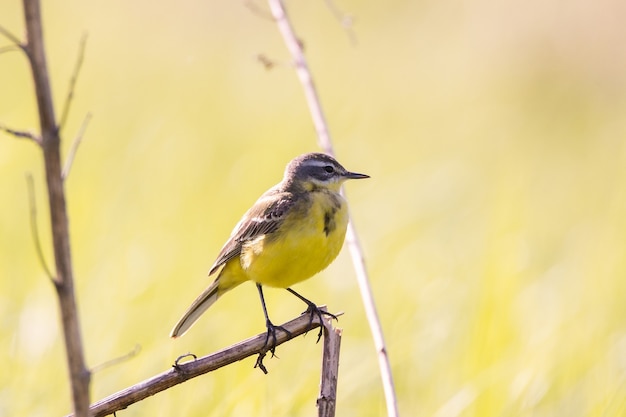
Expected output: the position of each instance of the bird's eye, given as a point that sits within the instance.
(329, 169)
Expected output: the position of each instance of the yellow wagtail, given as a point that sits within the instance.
(293, 231)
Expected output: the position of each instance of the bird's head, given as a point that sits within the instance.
(317, 170)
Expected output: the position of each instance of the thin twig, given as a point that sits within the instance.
(77, 140)
(327, 400)
(119, 359)
(10, 36)
(258, 11)
(70, 91)
(321, 127)
(32, 203)
(181, 372)
(10, 48)
(21, 134)
(344, 19)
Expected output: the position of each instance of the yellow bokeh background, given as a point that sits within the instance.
(494, 224)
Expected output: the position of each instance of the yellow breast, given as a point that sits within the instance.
(309, 239)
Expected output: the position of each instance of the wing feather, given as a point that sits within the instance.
(263, 218)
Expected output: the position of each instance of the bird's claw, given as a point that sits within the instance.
(177, 361)
(313, 311)
(269, 347)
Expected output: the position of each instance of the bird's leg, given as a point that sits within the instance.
(271, 332)
(313, 310)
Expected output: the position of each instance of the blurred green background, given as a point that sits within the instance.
(494, 224)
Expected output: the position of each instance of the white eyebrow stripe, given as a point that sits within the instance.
(318, 163)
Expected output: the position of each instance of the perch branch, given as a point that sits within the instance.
(184, 371)
(312, 98)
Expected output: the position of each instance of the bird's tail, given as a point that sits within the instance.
(229, 278)
(199, 306)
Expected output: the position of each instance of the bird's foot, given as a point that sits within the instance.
(269, 346)
(314, 311)
(181, 357)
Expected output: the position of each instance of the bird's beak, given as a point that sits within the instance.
(355, 176)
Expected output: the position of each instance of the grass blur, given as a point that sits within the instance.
(494, 222)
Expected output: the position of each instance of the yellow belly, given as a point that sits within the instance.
(300, 248)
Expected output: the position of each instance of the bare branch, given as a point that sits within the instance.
(70, 91)
(302, 69)
(37, 58)
(21, 134)
(258, 11)
(72, 153)
(295, 48)
(327, 400)
(181, 372)
(10, 36)
(79, 375)
(10, 48)
(344, 19)
(358, 261)
(33, 225)
(117, 360)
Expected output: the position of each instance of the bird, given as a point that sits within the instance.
(292, 232)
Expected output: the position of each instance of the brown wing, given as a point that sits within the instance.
(263, 218)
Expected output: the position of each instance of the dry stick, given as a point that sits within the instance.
(33, 225)
(344, 19)
(302, 69)
(115, 361)
(321, 127)
(72, 153)
(258, 11)
(9, 48)
(21, 134)
(330, 370)
(50, 143)
(181, 372)
(10, 36)
(72, 86)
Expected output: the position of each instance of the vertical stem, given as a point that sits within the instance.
(39, 67)
(327, 400)
(302, 69)
(373, 320)
(306, 79)
(63, 281)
